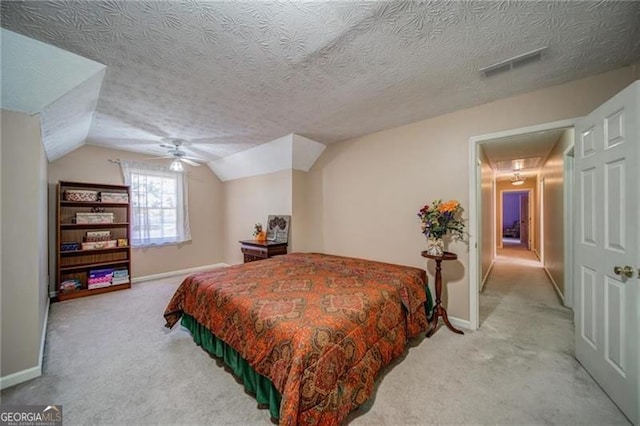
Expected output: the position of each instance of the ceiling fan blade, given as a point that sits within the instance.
(158, 158)
(191, 163)
(196, 158)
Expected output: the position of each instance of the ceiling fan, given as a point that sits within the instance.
(178, 155)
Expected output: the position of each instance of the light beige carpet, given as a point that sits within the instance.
(108, 360)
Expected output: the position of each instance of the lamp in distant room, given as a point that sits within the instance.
(517, 179)
(176, 166)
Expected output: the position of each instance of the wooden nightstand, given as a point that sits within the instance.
(258, 250)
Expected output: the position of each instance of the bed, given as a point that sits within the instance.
(306, 332)
(512, 231)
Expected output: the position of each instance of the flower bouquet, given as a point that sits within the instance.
(259, 233)
(437, 220)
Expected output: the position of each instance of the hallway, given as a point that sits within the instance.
(518, 283)
(532, 335)
(513, 243)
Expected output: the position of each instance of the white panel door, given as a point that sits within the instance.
(606, 242)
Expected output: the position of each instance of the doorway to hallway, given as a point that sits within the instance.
(515, 219)
(529, 158)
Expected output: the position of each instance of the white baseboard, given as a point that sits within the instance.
(20, 376)
(460, 323)
(33, 372)
(179, 272)
(555, 285)
(537, 254)
(484, 280)
(43, 337)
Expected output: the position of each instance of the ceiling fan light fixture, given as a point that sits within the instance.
(517, 179)
(176, 166)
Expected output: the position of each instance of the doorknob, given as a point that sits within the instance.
(626, 271)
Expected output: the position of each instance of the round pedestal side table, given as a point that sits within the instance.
(438, 310)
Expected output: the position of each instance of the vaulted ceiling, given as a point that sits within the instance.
(228, 76)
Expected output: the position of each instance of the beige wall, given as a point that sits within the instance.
(24, 235)
(552, 173)
(366, 191)
(90, 164)
(250, 200)
(300, 217)
(487, 183)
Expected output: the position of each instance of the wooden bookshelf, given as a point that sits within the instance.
(77, 264)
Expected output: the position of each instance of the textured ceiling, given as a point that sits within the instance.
(503, 154)
(230, 75)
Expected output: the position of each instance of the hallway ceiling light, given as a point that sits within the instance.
(517, 179)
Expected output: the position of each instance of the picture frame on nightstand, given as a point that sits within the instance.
(278, 228)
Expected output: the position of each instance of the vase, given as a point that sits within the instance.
(435, 246)
(262, 236)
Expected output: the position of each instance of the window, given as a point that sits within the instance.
(159, 205)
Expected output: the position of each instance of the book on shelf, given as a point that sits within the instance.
(118, 273)
(97, 273)
(101, 280)
(92, 286)
(100, 277)
(98, 234)
(70, 285)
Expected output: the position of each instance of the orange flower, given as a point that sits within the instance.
(439, 219)
(449, 206)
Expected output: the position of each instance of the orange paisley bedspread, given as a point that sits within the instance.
(320, 327)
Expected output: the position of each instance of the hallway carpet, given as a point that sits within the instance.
(108, 360)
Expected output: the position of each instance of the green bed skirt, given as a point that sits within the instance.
(428, 306)
(255, 384)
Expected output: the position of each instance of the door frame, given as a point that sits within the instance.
(540, 220)
(568, 182)
(475, 207)
(529, 193)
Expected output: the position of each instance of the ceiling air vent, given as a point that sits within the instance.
(515, 62)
